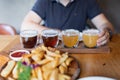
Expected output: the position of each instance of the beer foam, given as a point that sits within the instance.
(91, 32)
(28, 33)
(71, 32)
(49, 33)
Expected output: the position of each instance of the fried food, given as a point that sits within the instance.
(54, 74)
(15, 72)
(6, 71)
(3, 60)
(46, 64)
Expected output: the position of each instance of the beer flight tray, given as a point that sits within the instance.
(80, 49)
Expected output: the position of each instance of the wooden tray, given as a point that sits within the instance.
(80, 49)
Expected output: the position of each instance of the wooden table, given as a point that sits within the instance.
(7, 42)
(102, 64)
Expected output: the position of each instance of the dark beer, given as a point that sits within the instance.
(29, 38)
(50, 41)
(50, 38)
(29, 42)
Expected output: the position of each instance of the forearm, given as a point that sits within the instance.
(32, 21)
(33, 26)
(107, 26)
(102, 23)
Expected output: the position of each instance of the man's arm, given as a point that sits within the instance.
(32, 21)
(104, 26)
(101, 22)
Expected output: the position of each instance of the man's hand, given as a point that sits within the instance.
(104, 37)
(105, 27)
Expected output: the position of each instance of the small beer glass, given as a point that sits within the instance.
(70, 38)
(29, 38)
(50, 37)
(90, 37)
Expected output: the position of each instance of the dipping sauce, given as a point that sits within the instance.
(18, 54)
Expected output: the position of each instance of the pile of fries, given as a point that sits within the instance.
(49, 64)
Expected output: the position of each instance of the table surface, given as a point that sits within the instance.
(91, 64)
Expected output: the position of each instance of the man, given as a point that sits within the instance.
(68, 14)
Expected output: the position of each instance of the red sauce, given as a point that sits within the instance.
(17, 54)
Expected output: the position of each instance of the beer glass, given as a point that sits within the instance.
(90, 37)
(50, 37)
(70, 38)
(29, 38)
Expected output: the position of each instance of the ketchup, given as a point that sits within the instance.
(18, 54)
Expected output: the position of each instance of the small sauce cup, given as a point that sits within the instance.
(17, 54)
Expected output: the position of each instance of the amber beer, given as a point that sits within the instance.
(50, 37)
(70, 38)
(29, 38)
(90, 37)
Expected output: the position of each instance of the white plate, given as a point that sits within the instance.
(96, 78)
(60, 36)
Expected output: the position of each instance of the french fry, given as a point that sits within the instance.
(62, 69)
(39, 73)
(49, 57)
(54, 75)
(33, 78)
(34, 75)
(65, 67)
(15, 72)
(68, 61)
(42, 62)
(57, 51)
(48, 66)
(63, 64)
(50, 53)
(60, 77)
(8, 69)
(64, 77)
(37, 57)
(63, 58)
(10, 78)
(51, 49)
(27, 55)
(27, 60)
(44, 48)
(36, 50)
(56, 61)
(51, 65)
(47, 73)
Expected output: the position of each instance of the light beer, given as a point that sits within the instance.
(70, 38)
(90, 37)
